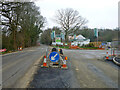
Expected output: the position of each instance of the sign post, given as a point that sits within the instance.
(74, 36)
(53, 35)
(62, 36)
(96, 34)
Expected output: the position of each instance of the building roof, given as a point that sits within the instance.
(79, 40)
(80, 37)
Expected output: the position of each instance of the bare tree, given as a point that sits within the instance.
(69, 20)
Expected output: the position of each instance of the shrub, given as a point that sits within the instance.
(88, 45)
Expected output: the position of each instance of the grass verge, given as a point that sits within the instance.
(64, 47)
(89, 47)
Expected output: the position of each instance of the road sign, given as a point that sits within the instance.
(52, 34)
(54, 56)
(74, 36)
(62, 36)
(96, 32)
(58, 39)
(52, 37)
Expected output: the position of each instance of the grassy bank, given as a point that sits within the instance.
(64, 47)
(89, 47)
(6, 52)
(67, 47)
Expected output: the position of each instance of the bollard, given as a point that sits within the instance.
(64, 64)
(107, 56)
(44, 62)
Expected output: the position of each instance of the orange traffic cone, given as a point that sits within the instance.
(44, 62)
(64, 63)
(20, 49)
(107, 56)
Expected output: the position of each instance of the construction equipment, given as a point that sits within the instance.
(54, 58)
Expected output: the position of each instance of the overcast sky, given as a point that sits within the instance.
(99, 13)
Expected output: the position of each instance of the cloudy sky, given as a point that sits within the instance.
(99, 13)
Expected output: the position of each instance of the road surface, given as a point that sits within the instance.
(86, 69)
(15, 65)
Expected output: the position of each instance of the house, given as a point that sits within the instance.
(79, 40)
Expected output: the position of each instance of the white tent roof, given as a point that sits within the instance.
(80, 37)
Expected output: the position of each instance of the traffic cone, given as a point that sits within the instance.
(20, 49)
(44, 62)
(64, 64)
(107, 56)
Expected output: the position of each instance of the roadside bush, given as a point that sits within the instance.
(78, 44)
(88, 45)
(83, 45)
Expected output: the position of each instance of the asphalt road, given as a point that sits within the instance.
(86, 69)
(15, 65)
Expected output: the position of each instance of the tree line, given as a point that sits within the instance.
(71, 22)
(104, 35)
(21, 24)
